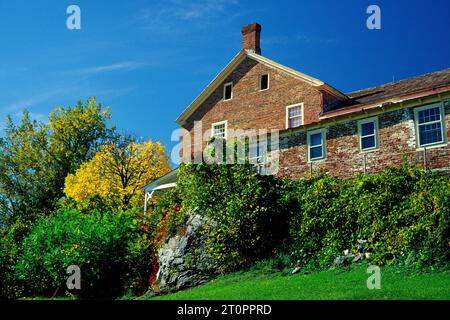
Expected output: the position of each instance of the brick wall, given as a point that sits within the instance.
(251, 108)
(397, 141)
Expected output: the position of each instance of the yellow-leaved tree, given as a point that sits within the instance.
(116, 174)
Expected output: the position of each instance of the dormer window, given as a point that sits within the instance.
(228, 91)
(264, 82)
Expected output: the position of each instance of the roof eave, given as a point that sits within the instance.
(333, 91)
(392, 100)
(318, 84)
(302, 76)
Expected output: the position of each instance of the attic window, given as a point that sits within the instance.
(219, 129)
(228, 91)
(294, 116)
(264, 82)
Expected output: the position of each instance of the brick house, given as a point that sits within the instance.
(319, 126)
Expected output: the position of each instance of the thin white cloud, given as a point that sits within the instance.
(16, 108)
(121, 66)
(164, 17)
(31, 101)
(200, 9)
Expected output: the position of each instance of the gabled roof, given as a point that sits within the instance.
(320, 85)
(410, 88)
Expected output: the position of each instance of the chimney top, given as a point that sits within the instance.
(251, 37)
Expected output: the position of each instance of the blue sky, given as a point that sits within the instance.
(147, 60)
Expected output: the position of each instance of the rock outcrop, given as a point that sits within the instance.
(183, 259)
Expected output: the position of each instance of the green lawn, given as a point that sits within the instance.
(332, 284)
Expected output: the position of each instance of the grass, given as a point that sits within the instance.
(349, 284)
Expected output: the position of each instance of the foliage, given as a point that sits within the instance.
(10, 288)
(403, 213)
(163, 220)
(167, 214)
(248, 223)
(75, 135)
(141, 258)
(114, 178)
(25, 186)
(427, 241)
(103, 245)
(35, 158)
(313, 223)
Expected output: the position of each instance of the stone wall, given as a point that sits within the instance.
(397, 141)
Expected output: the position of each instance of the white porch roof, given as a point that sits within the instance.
(164, 182)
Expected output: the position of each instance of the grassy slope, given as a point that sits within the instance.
(331, 284)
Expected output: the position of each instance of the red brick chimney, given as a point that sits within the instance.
(250, 37)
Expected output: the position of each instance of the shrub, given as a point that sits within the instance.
(249, 224)
(102, 245)
(402, 212)
(317, 229)
(167, 215)
(427, 241)
(10, 239)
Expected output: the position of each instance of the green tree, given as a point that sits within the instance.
(35, 158)
(75, 135)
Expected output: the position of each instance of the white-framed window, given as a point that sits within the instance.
(316, 145)
(368, 134)
(228, 91)
(430, 125)
(257, 153)
(294, 115)
(264, 82)
(219, 129)
(257, 150)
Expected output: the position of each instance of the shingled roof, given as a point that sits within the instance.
(385, 92)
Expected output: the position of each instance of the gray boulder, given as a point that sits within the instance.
(183, 259)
